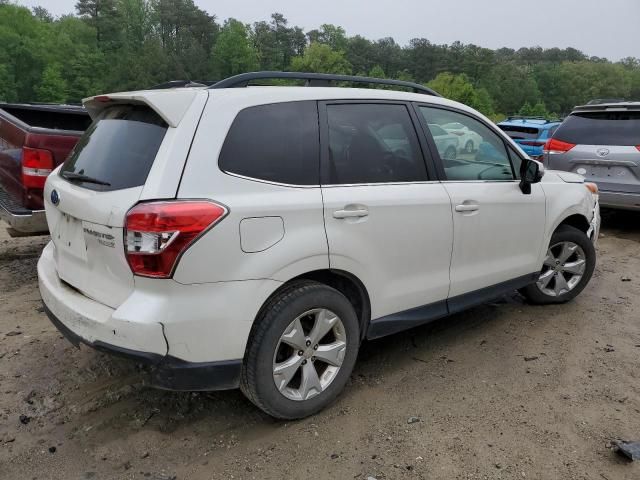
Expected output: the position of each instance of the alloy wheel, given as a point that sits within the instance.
(309, 354)
(563, 269)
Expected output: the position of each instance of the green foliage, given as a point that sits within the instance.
(115, 45)
(52, 88)
(233, 52)
(320, 58)
(460, 89)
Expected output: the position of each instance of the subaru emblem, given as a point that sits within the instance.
(602, 152)
(55, 198)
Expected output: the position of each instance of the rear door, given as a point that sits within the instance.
(498, 231)
(603, 146)
(386, 222)
(88, 197)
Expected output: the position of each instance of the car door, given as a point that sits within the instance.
(387, 223)
(498, 230)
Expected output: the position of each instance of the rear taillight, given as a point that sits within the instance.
(158, 233)
(555, 146)
(638, 147)
(36, 166)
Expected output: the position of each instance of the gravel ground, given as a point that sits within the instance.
(502, 391)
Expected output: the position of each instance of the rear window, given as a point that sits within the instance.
(278, 142)
(520, 133)
(601, 128)
(118, 148)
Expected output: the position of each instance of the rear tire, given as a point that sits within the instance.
(291, 368)
(568, 267)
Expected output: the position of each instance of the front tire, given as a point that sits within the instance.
(567, 268)
(301, 351)
(468, 148)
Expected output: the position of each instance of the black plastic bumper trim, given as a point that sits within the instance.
(166, 372)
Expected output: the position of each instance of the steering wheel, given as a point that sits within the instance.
(503, 171)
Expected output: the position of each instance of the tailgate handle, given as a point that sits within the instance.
(467, 207)
(360, 212)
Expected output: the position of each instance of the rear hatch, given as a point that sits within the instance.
(526, 137)
(88, 197)
(602, 146)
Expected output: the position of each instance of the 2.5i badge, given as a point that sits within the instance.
(105, 239)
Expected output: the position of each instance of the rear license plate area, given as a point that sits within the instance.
(69, 237)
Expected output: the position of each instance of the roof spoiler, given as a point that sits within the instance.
(171, 106)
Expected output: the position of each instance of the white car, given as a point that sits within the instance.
(254, 237)
(468, 139)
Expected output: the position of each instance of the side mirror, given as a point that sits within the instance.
(531, 172)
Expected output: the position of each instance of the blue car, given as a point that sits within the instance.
(530, 133)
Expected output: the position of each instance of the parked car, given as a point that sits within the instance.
(601, 142)
(446, 142)
(468, 140)
(34, 139)
(254, 237)
(530, 133)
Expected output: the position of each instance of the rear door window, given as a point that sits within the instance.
(278, 142)
(118, 149)
(601, 128)
(372, 143)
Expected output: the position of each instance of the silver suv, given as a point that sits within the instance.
(601, 142)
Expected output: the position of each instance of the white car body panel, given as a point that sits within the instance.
(391, 249)
(488, 242)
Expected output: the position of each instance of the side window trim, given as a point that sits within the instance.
(435, 155)
(323, 119)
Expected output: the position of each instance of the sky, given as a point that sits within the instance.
(603, 28)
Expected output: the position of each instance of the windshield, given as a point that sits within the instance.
(117, 150)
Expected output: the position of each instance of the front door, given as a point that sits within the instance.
(498, 231)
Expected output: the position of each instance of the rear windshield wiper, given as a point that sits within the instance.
(71, 176)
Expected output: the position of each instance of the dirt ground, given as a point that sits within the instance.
(503, 391)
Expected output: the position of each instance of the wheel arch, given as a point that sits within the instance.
(346, 283)
(575, 220)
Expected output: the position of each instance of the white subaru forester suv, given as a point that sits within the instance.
(254, 237)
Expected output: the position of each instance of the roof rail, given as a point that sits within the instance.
(600, 101)
(532, 117)
(182, 84)
(317, 80)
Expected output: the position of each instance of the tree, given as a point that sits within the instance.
(8, 91)
(52, 88)
(101, 15)
(321, 58)
(233, 52)
(42, 14)
(460, 89)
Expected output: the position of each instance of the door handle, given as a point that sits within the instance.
(471, 207)
(360, 212)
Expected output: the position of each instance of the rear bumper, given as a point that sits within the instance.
(623, 201)
(166, 372)
(20, 219)
(83, 320)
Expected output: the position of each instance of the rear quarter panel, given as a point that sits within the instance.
(219, 256)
